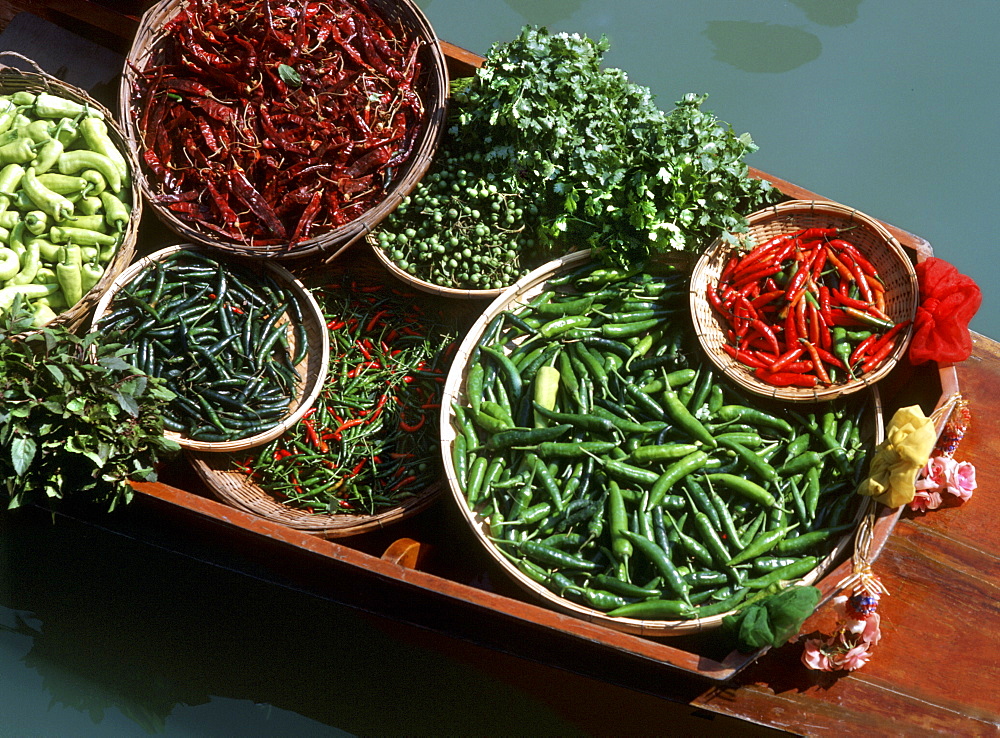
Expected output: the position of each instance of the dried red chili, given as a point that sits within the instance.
(243, 102)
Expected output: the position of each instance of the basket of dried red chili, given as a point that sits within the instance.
(69, 203)
(282, 130)
(817, 301)
(367, 452)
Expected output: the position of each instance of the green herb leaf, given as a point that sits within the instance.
(78, 420)
(22, 453)
(289, 75)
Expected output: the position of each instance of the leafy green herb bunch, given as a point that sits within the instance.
(609, 169)
(76, 419)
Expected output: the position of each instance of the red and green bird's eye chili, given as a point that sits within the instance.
(373, 422)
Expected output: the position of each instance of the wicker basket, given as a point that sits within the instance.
(312, 368)
(872, 240)
(229, 478)
(430, 287)
(454, 392)
(13, 79)
(236, 487)
(432, 85)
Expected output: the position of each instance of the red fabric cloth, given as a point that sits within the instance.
(948, 301)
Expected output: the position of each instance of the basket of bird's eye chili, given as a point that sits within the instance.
(366, 454)
(284, 130)
(816, 300)
(240, 342)
(69, 205)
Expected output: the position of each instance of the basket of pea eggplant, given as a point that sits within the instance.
(614, 473)
(69, 206)
(240, 342)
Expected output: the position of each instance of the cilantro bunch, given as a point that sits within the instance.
(76, 419)
(607, 167)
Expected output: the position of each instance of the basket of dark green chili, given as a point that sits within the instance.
(282, 129)
(366, 453)
(240, 342)
(69, 207)
(611, 471)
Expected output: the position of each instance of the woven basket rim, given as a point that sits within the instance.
(317, 360)
(75, 315)
(430, 287)
(334, 241)
(523, 290)
(237, 489)
(707, 329)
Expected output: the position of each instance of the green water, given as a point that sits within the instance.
(889, 107)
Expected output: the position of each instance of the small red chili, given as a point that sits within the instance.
(403, 425)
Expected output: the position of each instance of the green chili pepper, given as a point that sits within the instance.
(64, 184)
(81, 236)
(10, 264)
(95, 132)
(673, 474)
(8, 111)
(10, 180)
(36, 221)
(77, 160)
(686, 420)
(31, 259)
(806, 541)
(659, 559)
(27, 291)
(50, 252)
(47, 105)
(46, 155)
(618, 523)
(655, 609)
(69, 271)
(748, 489)
(19, 151)
(787, 573)
(763, 543)
(89, 205)
(90, 274)
(45, 199)
(553, 557)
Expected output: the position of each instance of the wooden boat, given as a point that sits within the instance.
(429, 571)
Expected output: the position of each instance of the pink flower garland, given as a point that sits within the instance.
(943, 476)
(942, 480)
(849, 647)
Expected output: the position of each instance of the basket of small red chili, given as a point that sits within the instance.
(366, 453)
(817, 301)
(283, 129)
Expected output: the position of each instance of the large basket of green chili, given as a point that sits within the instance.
(366, 454)
(612, 471)
(240, 342)
(291, 134)
(69, 205)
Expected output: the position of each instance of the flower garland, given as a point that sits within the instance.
(941, 479)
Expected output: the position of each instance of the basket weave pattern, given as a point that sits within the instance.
(872, 240)
(13, 80)
(431, 86)
(312, 369)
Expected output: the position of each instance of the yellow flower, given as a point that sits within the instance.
(908, 443)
